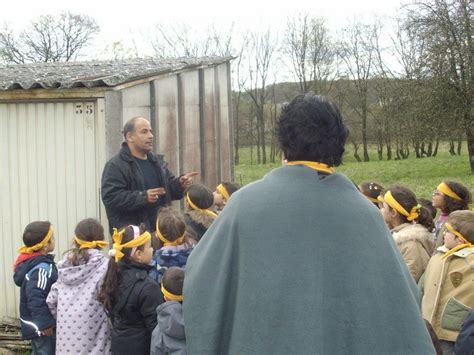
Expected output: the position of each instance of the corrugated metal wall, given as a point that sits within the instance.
(48, 154)
(190, 113)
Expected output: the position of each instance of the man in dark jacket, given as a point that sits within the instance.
(136, 182)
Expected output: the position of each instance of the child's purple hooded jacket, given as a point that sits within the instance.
(82, 324)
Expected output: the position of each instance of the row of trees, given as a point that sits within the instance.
(404, 89)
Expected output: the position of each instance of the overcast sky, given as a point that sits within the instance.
(119, 21)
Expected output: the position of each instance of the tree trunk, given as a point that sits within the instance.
(416, 146)
(380, 149)
(259, 157)
(389, 151)
(435, 151)
(262, 137)
(236, 135)
(356, 151)
(429, 153)
(470, 147)
(251, 141)
(451, 147)
(364, 133)
(459, 145)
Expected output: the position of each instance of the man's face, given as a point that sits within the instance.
(142, 138)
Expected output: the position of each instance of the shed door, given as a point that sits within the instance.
(48, 173)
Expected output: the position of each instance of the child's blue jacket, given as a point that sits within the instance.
(35, 277)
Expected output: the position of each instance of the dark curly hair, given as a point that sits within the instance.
(451, 204)
(311, 128)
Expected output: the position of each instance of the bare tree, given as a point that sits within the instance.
(182, 40)
(261, 53)
(239, 80)
(49, 39)
(307, 45)
(446, 28)
(358, 53)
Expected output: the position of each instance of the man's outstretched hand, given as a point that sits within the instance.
(186, 180)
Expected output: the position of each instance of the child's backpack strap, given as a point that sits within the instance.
(123, 301)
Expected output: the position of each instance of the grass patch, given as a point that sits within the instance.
(420, 175)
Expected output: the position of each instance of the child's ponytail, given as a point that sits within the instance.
(425, 219)
(109, 286)
(87, 230)
(407, 200)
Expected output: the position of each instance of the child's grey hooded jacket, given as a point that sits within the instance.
(168, 337)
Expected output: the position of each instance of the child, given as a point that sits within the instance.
(199, 217)
(448, 283)
(371, 190)
(168, 337)
(35, 272)
(129, 295)
(174, 247)
(223, 192)
(73, 298)
(410, 225)
(448, 197)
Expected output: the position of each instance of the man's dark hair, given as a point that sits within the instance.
(173, 280)
(129, 126)
(311, 128)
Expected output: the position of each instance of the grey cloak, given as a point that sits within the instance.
(299, 265)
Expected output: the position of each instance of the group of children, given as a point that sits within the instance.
(127, 303)
(439, 253)
(131, 301)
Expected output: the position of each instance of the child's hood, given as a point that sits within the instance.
(414, 232)
(24, 267)
(74, 275)
(171, 319)
(201, 217)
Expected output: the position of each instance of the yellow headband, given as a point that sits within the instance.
(223, 191)
(390, 200)
(466, 243)
(194, 207)
(165, 241)
(83, 244)
(446, 190)
(117, 247)
(29, 250)
(171, 296)
(372, 199)
(314, 165)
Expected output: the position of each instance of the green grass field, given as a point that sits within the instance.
(420, 175)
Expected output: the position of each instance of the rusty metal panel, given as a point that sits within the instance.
(166, 123)
(223, 94)
(189, 138)
(211, 160)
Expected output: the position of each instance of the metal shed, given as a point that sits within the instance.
(61, 122)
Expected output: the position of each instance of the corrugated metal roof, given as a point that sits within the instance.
(94, 73)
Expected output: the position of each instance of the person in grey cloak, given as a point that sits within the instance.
(300, 262)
